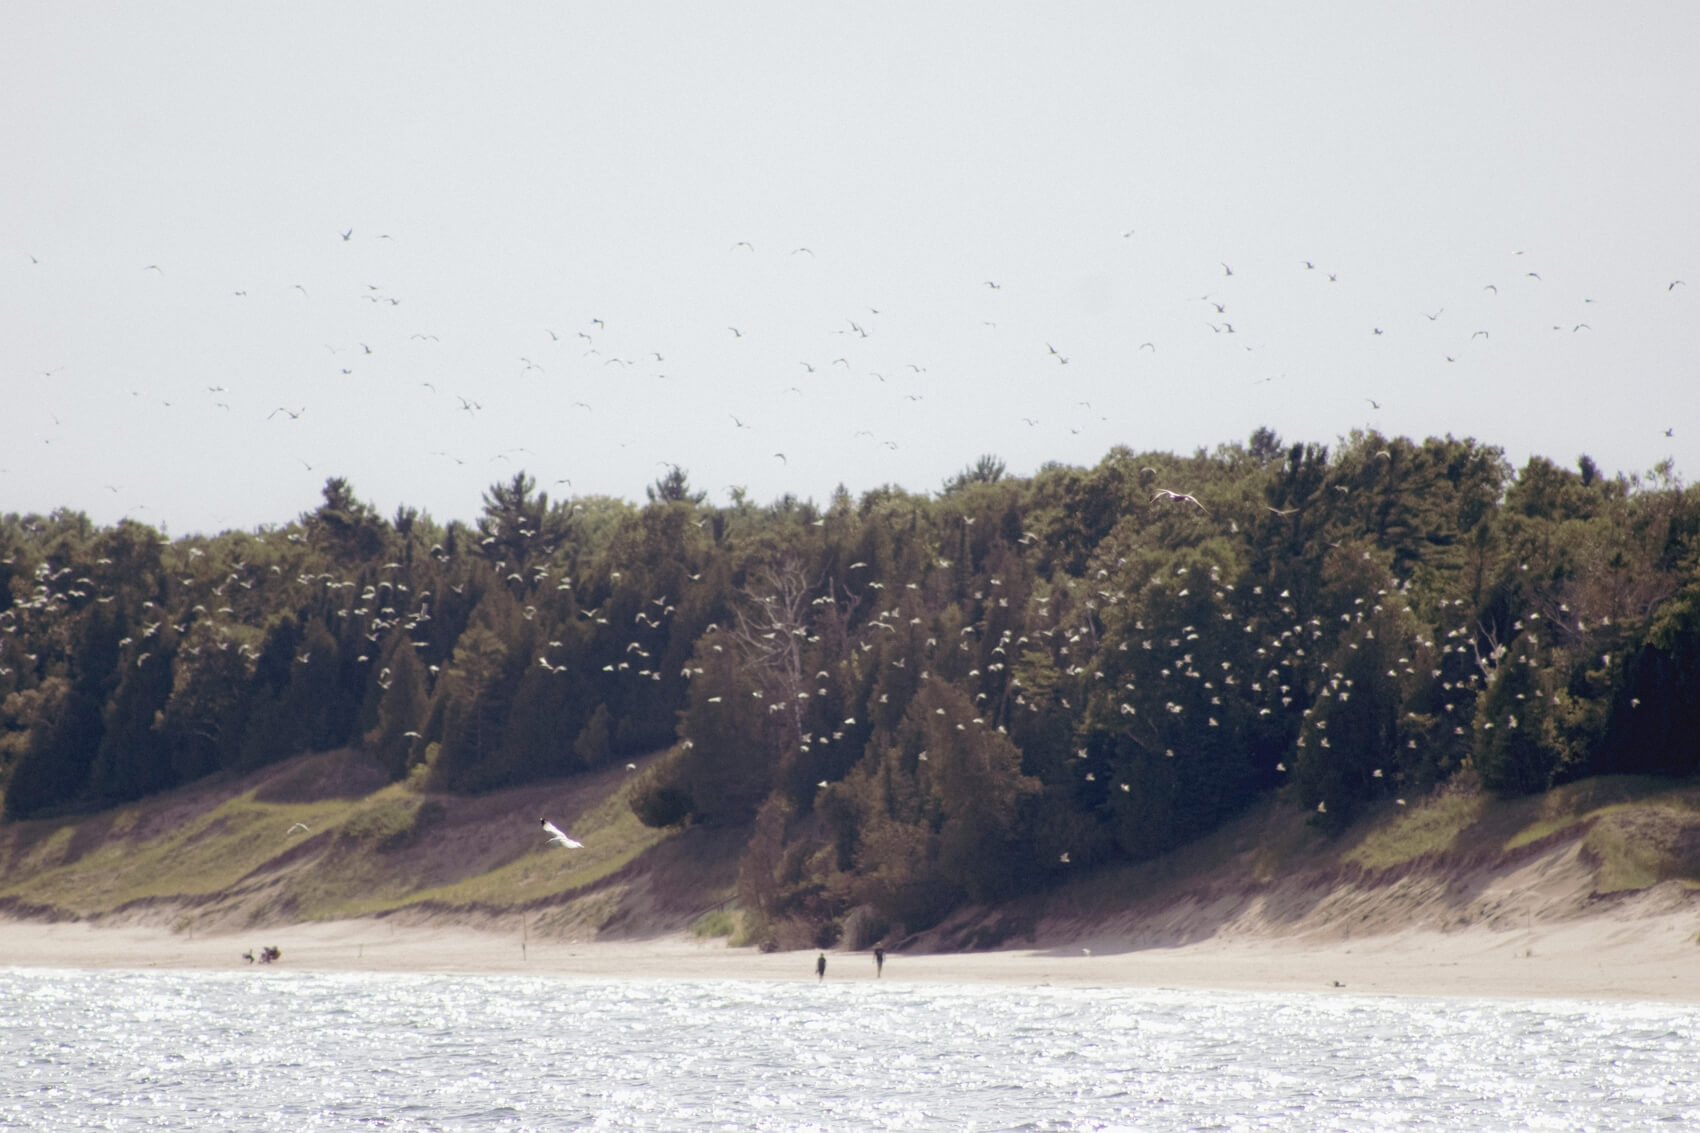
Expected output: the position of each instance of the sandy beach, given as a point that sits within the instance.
(1637, 958)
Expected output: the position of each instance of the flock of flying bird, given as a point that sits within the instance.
(599, 382)
(598, 354)
(389, 604)
(378, 609)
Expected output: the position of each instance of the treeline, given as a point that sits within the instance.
(912, 700)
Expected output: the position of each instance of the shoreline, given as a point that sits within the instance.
(1651, 958)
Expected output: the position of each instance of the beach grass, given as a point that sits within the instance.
(316, 858)
(1429, 827)
(307, 841)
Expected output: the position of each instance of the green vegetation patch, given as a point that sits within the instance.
(39, 856)
(1433, 826)
(613, 838)
(302, 857)
(1638, 846)
(391, 821)
(205, 853)
(717, 923)
(1641, 830)
(1577, 803)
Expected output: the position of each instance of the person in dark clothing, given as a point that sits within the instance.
(879, 962)
(820, 966)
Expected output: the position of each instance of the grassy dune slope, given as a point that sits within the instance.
(229, 854)
(1455, 859)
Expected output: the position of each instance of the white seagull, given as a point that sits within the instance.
(556, 834)
(1180, 497)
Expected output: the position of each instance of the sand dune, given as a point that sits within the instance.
(1554, 896)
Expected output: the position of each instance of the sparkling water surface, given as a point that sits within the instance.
(270, 1049)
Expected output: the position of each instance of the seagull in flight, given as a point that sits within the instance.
(559, 836)
(1182, 496)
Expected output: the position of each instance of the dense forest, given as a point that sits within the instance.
(910, 700)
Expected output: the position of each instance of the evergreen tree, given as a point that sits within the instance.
(396, 742)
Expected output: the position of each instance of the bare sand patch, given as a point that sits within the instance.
(1640, 950)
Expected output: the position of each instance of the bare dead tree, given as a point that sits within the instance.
(770, 633)
(1487, 661)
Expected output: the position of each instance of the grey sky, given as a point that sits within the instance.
(534, 168)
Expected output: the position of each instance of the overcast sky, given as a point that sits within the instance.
(247, 246)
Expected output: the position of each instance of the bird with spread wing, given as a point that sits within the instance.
(559, 836)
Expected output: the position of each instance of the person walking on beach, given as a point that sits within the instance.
(879, 962)
(820, 966)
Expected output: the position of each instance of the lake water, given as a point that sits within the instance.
(273, 1049)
